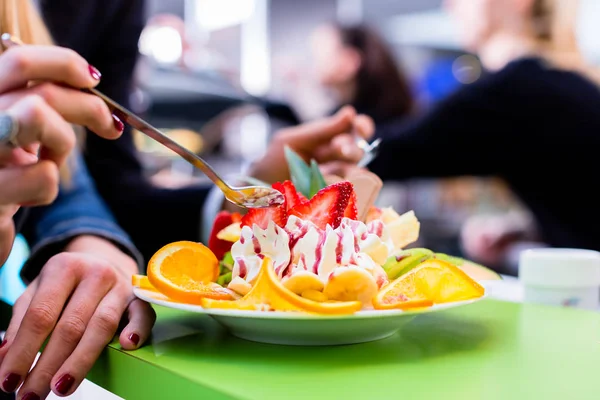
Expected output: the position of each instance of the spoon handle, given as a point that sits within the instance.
(147, 129)
(138, 123)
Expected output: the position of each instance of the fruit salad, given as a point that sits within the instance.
(326, 250)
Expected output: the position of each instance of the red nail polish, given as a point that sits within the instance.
(11, 382)
(64, 384)
(94, 72)
(3, 343)
(118, 124)
(135, 338)
(30, 396)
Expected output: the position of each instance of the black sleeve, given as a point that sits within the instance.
(466, 134)
(106, 33)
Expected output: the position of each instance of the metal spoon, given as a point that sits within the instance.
(247, 196)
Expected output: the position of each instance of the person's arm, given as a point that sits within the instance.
(466, 134)
(107, 32)
(77, 211)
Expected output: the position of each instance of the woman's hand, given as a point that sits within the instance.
(76, 305)
(329, 139)
(37, 93)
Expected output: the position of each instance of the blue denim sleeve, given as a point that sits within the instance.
(78, 210)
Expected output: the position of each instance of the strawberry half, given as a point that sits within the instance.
(292, 197)
(262, 216)
(327, 207)
(222, 221)
(351, 209)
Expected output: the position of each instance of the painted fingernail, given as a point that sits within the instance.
(3, 343)
(118, 124)
(94, 72)
(30, 396)
(135, 338)
(64, 384)
(11, 382)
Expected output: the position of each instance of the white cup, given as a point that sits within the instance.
(561, 277)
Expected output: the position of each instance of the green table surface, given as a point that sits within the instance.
(487, 350)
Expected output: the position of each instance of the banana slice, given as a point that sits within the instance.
(232, 233)
(301, 281)
(351, 284)
(314, 295)
(239, 286)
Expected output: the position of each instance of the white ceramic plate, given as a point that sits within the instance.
(299, 329)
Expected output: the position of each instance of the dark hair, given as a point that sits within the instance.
(382, 89)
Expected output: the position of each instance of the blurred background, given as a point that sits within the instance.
(222, 75)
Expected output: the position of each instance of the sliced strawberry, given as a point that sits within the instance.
(327, 206)
(262, 216)
(237, 217)
(218, 246)
(351, 209)
(292, 197)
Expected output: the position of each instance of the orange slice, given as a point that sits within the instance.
(185, 272)
(142, 282)
(433, 280)
(268, 290)
(399, 302)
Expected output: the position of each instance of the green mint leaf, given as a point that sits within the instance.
(317, 181)
(300, 172)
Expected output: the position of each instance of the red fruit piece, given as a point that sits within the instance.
(327, 206)
(222, 221)
(351, 209)
(292, 197)
(262, 216)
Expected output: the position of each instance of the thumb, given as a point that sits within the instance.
(322, 130)
(364, 126)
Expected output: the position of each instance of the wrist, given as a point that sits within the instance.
(104, 249)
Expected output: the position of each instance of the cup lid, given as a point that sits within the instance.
(560, 267)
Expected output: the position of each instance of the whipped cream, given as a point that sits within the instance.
(254, 245)
(302, 246)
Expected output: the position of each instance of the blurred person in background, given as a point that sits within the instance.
(349, 65)
(533, 121)
(355, 65)
(151, 215)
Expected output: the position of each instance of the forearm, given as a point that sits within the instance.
(104, 249)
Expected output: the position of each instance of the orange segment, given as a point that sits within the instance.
(268, 290)
(185, 272)
(142, 282)
(400, 303)
(434, 280)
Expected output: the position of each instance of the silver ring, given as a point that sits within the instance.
(9, 128)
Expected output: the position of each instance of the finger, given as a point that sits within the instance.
(141, 319)
(16, 156)
(337, 168)
(69, 330)
(7, 234)
(321, 130)
(18, 312)
(20, 65)
(40, 319)
(40, 123)
(364, 126)
(101, 329)
(341, 148)
(34, 184)
(74, 106)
